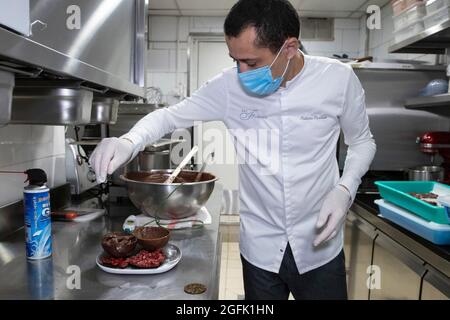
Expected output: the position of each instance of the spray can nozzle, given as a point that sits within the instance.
(36, 177)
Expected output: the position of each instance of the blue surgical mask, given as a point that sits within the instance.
(260, 81)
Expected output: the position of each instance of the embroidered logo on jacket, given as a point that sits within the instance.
(313, 116)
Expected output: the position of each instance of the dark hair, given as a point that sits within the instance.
(274, 20)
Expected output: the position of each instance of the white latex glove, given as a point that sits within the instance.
(333, 214)
(109, 155)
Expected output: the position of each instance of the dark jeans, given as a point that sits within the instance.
(327, 282)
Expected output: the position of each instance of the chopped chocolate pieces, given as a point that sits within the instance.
(421, 196)
(429, 198)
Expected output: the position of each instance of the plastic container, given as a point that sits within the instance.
(396, 192)
(434, 232)
(437, 17)
(445, 202)
(409, 17)
(409, 31)
(432, 6)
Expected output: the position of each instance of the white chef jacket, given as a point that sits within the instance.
(282, 206)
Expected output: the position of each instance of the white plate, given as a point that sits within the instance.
(173, 256)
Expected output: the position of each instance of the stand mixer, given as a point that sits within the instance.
(437, 142)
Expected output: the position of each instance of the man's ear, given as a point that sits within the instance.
(292, 47)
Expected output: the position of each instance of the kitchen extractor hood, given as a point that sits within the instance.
(101, 42)
(51, 103)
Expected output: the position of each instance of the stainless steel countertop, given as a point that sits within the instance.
(78, 244)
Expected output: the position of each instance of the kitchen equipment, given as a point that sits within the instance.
(79, 173)
(438, 142)
(397, 192)
(394, 127)
(154, 156)
(434, 232)
(426, 173)
(169, 201)
(51, 103)
(93, 50)
(183, 163)
(6, 90)
(16, 15)
(200, 219)
(104, 110)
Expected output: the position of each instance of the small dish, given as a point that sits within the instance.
(152, 238)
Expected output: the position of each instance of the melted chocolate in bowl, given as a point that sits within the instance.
(161, 177)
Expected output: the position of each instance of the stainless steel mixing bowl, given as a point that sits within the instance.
(169, 201)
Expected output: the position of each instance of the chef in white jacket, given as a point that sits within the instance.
(292, 213)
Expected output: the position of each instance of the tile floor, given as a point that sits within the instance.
(231, 286)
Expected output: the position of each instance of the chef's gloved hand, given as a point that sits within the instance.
(109, 155)
(333, 214)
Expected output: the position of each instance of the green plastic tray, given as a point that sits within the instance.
(397, 193)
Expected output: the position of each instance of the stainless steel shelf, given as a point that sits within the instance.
(439, 104)
(434, 40)
(441, 100)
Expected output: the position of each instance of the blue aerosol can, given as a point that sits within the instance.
(38, 228)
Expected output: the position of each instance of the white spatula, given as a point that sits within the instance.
(182, 165)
